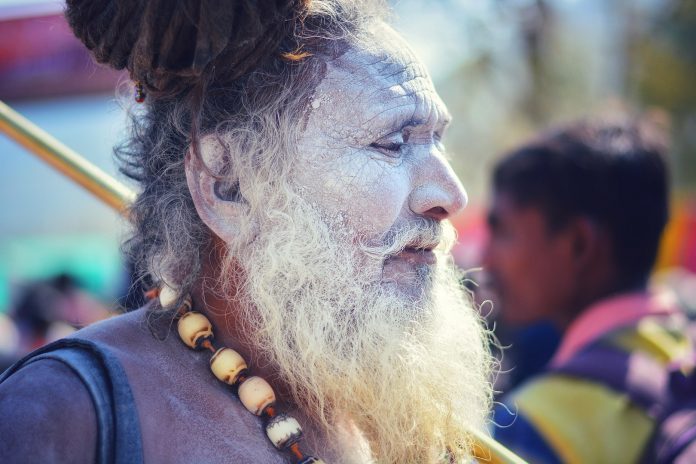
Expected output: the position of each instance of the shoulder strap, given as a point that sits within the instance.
(119, 439)
(639, 376)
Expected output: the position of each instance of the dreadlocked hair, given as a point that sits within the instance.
(241, 70)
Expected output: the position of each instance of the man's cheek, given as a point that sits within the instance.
(383, 203)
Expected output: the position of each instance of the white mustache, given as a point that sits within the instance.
(422, 233)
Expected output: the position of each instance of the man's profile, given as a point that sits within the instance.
(293, 184)
(576, 220)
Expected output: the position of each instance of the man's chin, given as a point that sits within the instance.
(409, 279)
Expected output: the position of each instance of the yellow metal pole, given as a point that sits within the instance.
(65, 160)
(118, 196)
(487, 450)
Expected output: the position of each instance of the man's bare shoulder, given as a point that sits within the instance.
(46, 415)
(140, 339)
(129, 331)
(185, 413)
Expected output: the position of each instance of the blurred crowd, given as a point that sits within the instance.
(44, 311)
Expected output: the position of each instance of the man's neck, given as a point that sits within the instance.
(229, 326)
(228, 329)
(589, 298)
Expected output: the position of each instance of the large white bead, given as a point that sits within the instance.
(167, 296)
(256, 395)
(226, 364)
(283, 431)
(194, 327)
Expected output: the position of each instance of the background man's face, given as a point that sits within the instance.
(371, 156)
(528, 265)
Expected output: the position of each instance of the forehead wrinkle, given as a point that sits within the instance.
(424, 108)
(362, 86)
(395, 64)
(389, 100)
(391, 59)
(416, 87)
(406, 88)
(398, 73)
(418, 109)
(392, 74)
(394, 109)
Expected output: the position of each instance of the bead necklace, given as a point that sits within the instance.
(257, 396)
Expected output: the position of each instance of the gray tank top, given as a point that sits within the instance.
(118, 435)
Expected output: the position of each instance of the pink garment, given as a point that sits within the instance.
(610, 314)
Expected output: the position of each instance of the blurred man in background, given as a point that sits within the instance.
(44, 311)
(575, 223)
(49, 309)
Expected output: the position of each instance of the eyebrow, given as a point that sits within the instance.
(398, 118)
(393, 114)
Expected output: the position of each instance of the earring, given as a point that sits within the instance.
(139, 92)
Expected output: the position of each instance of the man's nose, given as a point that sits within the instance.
(439, 194)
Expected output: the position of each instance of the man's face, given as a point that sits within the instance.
(343, 291)
(528, 265)
(371, 156)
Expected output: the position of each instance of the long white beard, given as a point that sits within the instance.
(412, 374)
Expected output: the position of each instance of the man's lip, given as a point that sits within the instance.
(417, 255)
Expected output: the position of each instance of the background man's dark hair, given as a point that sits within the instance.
(612, 172)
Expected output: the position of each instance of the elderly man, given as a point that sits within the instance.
(295, 197)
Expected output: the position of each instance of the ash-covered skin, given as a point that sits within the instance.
(371, 154)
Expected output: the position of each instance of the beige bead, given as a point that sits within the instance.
(256, 395)
(283, 431)
(193, 328)
(227, 364)
(167, 296)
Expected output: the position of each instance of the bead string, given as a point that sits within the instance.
(228, 366)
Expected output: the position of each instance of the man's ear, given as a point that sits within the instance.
(217, 199)
(586, 242)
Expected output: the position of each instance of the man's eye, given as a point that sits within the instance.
(390, 145)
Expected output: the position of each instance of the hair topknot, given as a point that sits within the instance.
(167, 45)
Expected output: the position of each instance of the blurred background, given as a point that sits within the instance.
(506, 69)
